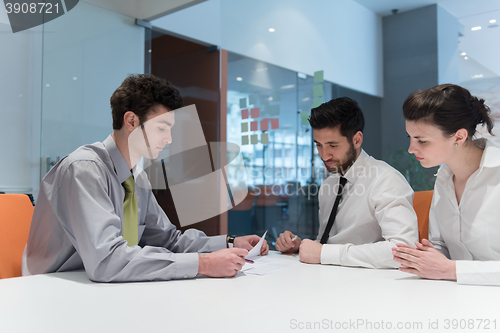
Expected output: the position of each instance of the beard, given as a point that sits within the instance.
(341, 166)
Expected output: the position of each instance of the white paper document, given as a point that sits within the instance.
(264, 265)
(255, 252)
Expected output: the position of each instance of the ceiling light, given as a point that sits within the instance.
(477, 76)
(475, 28)
(463, 54)
(47, 85)
(271, 30)
(239, 79)
(466, 58)
(262, 69)
(289, 86)
(302, 75)
(305, 99)
(75, 78)
(493, 21)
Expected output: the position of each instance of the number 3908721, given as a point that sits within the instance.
(31, 8)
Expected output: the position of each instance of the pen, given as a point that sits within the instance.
(294, 238)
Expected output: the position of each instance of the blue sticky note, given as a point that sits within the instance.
(243, 103)
(273, 110)
(252, 99)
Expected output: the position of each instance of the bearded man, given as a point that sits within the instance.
(365, 205)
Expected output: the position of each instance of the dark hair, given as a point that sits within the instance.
(449, 107)
(341, 111)
(140, 94)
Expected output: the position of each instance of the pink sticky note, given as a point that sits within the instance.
(253, 126)
(255, 112)
(244, 114)
(264, 124)
(275, 123)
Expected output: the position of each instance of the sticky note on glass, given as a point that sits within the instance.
(304, 118)
(318, 77)
(253, 125)
(244, 140)
(276, 96)
(264, 124)
(264, 138)
(243, 103)
(244, 127)
(317, 102)
(275, 123)
(273, 110)
(253, 139)
(255, 112)
(263, 100)
(252, 99)
(244, 114)
(318, 90)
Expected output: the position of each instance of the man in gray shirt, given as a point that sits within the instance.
(79, 214)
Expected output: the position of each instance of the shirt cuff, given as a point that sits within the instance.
(478, 272)
(186, 265)
(330, 254)
(217, 243)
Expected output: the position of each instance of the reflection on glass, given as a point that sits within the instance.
(265, 104)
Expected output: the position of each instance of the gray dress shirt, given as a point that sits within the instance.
(77, 223)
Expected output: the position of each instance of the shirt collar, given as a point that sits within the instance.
(357, 167)
(121, 166)
(491, 155)
(490, 159)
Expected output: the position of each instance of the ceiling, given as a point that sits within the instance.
(482, 47)
(144, 9)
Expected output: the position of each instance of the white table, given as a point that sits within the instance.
(285, 301)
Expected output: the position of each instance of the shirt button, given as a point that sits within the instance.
(185, 276)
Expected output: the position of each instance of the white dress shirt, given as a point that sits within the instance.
(374, 215)
(469, 232)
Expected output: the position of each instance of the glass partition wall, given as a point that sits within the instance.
(283, 170)
(267, 111)
(81, 68)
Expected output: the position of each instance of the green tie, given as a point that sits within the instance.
(130, 213)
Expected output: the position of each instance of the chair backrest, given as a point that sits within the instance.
(16, 211)
(422, 204)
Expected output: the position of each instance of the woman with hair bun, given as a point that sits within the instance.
(464, 219)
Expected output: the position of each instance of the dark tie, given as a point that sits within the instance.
(130, 213)
(326, 234)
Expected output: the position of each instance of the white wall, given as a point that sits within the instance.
(341, 37)
(99, 56)
(448, 29)
(97, 47)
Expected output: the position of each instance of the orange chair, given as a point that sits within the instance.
(16, 211)
(422, 204)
